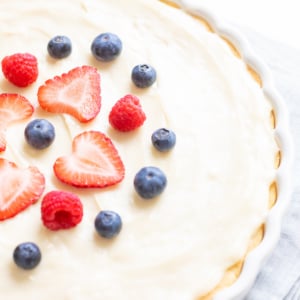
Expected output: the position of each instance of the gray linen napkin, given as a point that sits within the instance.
(279, 278)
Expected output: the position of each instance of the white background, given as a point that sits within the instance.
(276, 19)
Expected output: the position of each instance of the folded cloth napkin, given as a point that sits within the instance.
(279, 278)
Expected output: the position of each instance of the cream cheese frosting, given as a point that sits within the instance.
(179, 245)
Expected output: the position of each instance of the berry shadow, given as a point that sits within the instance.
(104, 242)
(19, 275)
(144, 203)
(121, 137)
(100, 65)
(138, 91)
(7, 87)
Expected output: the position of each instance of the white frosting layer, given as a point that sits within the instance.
(177, 246)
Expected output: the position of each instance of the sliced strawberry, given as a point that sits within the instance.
(13, 108)
(76, 93)
(20, 188)
(2, 140)
(94, 162)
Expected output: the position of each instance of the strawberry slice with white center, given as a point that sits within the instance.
(94, 162)
(13, 108)
(19, 189)
(76, 93)
(2, 139)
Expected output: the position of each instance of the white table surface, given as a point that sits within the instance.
(277, 19)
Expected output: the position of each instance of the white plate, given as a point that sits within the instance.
(256, 257)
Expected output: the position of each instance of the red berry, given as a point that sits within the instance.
(21, 69)
(76, 93)
(94, 162)
(127, 114)
(19, 188)
(61, 210)
(13, 108)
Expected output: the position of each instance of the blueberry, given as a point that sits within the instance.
(59, 47)
(106, 47)
(108, 224)
(39, 133)
(143, 75)
(27, 255)
(163, 139)
(150, 182)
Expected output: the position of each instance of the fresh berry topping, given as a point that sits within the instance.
(13, 108)
(163, 139)
(21, 69)
(2, 140)
(106, 47)
(150, 182)
(127, 114)
(61, 210)
(22, 188)
(39, 133)
(59, 47)
(108, 224)
(76, 93)
(94, 162)
(27, 255)
(143, 75)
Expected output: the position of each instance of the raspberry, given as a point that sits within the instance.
(61, 210)
(127, 114)
(21, 69)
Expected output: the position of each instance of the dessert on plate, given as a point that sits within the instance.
(138, 155)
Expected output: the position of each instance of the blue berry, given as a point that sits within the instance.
(27, 255)
(39, 133)
(106, 47)
(59, 47)
(143, 75)
(108, 224)
(163, 139)
(150, 182)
